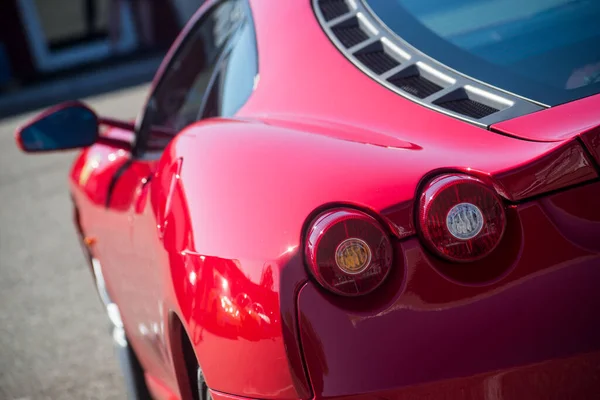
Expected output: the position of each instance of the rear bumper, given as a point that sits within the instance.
(521, 324)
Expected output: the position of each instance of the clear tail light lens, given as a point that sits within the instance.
(348, 252)
(461, 218)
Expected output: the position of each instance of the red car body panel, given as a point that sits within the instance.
(434, 322)
(555, 124)
(576, 119)
(210, 239)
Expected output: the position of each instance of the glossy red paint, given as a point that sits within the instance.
(557, 123)
(570, 378)
(217, 156)
(158, 390)
(578, 119)
(208, 239)
(224, 396)
(591, 139)
(566, 166)
(93, 170)
(434, 323)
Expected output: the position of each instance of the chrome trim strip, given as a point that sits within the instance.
(449, 80)
(491, 96)
(367, 24)
(390, 45)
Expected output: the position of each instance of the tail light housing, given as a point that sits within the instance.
(348, 252)
(461, 218)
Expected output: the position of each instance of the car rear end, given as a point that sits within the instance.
(449, 254)
(520, 323)
(490, 290)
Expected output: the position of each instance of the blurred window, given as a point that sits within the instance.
(234, 82)
(180, 92)
(69, 23)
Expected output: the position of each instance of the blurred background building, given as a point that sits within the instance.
(43, 39)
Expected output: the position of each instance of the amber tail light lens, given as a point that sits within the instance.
(461, 218)
(348, 252)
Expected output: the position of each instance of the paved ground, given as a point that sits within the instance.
(54, 341)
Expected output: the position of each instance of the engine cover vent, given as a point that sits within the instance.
(395, 64)
(417, 82)
(333, 8)
(469, 107)
(376, 58)
(350, 33)
(471, 102)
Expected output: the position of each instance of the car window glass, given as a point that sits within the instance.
(179, 93)
(544, 50)
(236, 76)
(239, 72)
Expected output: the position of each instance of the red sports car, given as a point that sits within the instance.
(358, 199)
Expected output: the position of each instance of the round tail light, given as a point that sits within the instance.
(348, 252)
(460, 218)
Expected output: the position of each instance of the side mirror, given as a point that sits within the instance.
(69, 125)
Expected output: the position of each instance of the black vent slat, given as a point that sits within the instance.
(468, 107)
(350, 35)
(333, 8)
(377, 61)
(415, 85)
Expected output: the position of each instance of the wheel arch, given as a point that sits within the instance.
(184, 359)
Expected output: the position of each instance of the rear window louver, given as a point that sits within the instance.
(475, 104)
(468, 107)
(415, 85)
(376, 59)
(332, 9)
(350, 33)
(395, 64)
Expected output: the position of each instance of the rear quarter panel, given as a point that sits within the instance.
(442, 330)
(233, 260)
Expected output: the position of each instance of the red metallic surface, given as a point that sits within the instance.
(208, 240)
(555, 124)
(224, 396)
(591, 139)
(571, 120)
(567, 166)
(434, 323)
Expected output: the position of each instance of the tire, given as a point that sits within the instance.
(133, 373)
(204, 393)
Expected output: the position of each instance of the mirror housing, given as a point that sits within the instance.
(70, 125)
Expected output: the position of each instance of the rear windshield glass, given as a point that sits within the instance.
(545, 50)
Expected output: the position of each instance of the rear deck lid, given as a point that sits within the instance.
(579, 118)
